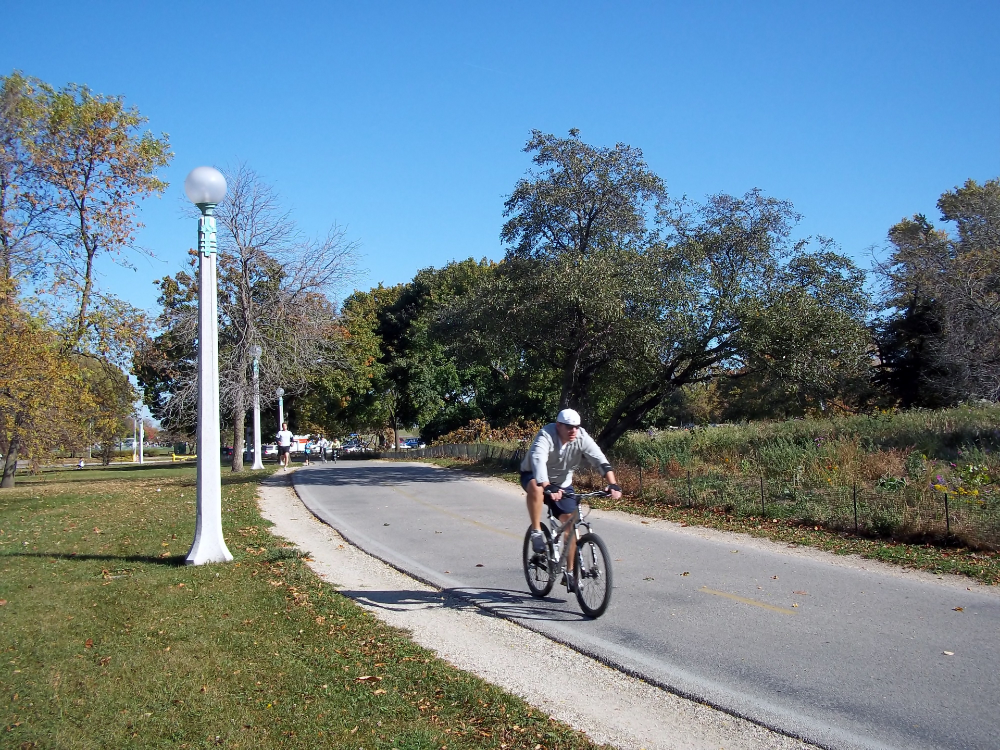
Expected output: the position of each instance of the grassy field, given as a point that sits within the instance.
(109, 640)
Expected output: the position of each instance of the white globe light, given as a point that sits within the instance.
(205, 185)
(256, 351)
(279, 392)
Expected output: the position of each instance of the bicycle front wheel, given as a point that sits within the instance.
(537, 566)
(592, 573)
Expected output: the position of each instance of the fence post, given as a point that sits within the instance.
(947, 516)
(690, 496)
(640, 479)
(855, 488)
(763, 509)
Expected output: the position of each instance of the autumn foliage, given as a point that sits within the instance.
(479, 431)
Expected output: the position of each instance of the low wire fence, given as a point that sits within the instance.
(904, 512)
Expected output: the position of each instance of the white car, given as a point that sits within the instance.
(269, 450)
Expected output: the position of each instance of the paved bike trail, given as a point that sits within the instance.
(842, 656)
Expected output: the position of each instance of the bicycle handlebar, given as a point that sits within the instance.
(593, 493)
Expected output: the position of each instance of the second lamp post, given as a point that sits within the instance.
(255, 352)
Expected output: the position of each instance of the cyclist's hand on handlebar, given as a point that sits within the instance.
(553, 492)
(614, 491)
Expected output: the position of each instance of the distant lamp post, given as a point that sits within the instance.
(141, 436)
(281, 406)
(255, 352)
(206, 187)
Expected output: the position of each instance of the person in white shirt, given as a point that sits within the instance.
(284, 445)
(547, 472)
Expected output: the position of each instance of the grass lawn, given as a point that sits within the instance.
(983, 566)
(109, 640)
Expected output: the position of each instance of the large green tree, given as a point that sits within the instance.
(408, 376)
(627, 298)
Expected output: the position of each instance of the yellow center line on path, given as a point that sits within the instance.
(457, 516)
(744, 600)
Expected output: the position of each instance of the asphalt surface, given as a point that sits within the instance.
(841, 656)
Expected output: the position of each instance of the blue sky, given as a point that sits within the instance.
(405, 121)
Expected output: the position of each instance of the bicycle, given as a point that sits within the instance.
(591, 578)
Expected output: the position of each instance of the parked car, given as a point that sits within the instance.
(415, 443)
(269, 450)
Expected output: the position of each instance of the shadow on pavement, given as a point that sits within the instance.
(512, 605)
(375, 475)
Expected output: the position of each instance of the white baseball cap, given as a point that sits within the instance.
(570, 417)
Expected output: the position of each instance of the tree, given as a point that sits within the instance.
(23, 204)
(941, 300)
(113, 397)
(906, 332)
(91, 152)
(73, 168)
(43, 399)
(737, 298)
(408, 369)
(275, 290)
(626, 315)
(577, 231)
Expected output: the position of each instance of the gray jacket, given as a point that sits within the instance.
(548, 461)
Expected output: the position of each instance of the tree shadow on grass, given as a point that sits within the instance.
(173, 561)
(95, 475)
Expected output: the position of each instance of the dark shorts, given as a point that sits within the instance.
(283, 449)
(563, 505)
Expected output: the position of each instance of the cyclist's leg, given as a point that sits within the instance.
(535, 500)
(571, 536)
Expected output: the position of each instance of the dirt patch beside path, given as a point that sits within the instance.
(608, 705)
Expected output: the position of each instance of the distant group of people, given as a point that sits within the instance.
(317, 447)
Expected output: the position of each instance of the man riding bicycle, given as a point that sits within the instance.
(547, 472)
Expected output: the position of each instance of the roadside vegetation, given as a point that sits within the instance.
(109, 640)
(875, 486)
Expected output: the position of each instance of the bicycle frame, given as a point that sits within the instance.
(558, 530)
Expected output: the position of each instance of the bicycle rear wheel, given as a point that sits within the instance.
(537, 568)
(593, 576)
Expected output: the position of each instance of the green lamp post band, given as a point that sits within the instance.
(206, 229)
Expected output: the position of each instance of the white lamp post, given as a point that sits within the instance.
(281, 406)
(205, 187)
(255, 352)
(139, 418)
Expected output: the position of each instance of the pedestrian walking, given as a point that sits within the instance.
(284, 439)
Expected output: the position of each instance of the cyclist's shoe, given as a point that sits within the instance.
(538, 541)
(569, 582)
